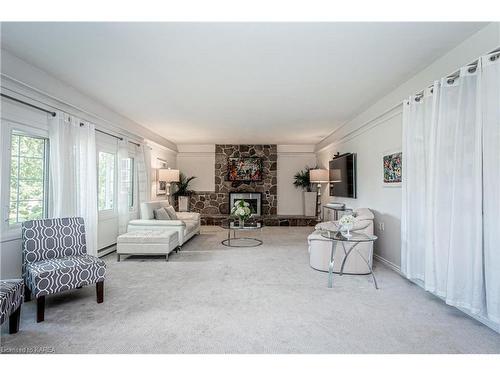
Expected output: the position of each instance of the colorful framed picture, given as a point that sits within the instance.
(392, 162)
(244, 169)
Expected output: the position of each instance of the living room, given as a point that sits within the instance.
(250, 187)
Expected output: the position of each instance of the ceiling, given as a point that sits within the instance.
(287, 83)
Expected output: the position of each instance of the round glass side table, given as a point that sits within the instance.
(348, 245)
(247, 239)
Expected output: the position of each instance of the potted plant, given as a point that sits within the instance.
(183, 192)
(301, 180)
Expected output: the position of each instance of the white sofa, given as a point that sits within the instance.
(188, 225)
(320, 247)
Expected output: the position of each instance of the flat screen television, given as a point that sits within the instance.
(343, 176)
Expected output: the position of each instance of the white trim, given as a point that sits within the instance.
(389, 264)
(374, 122)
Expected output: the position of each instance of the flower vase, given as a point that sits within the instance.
(347, 229)
(242, 223)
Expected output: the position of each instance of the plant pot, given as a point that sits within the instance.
(310, 203)
(183, 204)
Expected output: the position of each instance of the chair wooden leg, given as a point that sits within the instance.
(27, 294)
(40, 309)
(14, 319)
(99, 287)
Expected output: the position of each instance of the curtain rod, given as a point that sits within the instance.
(53, 114)
(450, 78)
(112, 135)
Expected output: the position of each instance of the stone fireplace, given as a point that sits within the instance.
(217, 202)
(254, 199)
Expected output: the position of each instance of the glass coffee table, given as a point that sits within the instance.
(348, 245)
(246, 234)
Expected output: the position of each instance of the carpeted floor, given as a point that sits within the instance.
(214, 299)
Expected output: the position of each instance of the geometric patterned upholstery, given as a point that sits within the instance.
(11, 297)
(57, 274)
(55, 256)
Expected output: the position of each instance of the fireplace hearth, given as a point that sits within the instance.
(254, 199)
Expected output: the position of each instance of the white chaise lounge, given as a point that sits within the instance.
(187, 225)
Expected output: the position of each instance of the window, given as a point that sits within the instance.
(28, 178)
(106, 181)
(128, 180)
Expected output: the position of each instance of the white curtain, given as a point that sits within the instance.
(451, 168)
(490, 91)
(73, 173)
(123, 186)
(143, 176)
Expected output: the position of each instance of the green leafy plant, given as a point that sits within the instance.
(301, 179)
(183, 186)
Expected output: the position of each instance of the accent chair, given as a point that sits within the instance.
(55, 259)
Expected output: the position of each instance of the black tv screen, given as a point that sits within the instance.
(343, 176)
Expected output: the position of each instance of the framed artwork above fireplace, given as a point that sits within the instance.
(244, 169)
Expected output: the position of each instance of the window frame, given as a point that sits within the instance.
(45, 177)
(13, 231)
(108, 146)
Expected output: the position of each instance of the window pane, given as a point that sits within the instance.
(30, 210)
(27, 178)
(32, 147)
(15, 145)
(30, 169)
(31, 190)
(106, 181)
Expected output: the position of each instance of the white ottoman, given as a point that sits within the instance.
(147, 242)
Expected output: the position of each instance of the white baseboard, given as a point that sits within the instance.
(388, 263)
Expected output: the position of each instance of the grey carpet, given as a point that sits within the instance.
(214, 299)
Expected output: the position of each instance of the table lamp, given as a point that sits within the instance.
(168, 176)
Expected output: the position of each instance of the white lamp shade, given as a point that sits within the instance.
(336, 175)
(318, 175)
(168, 175)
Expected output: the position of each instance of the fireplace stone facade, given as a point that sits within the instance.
(217, 202)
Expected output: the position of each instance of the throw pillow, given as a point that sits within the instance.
(161, 214)
(171, 213)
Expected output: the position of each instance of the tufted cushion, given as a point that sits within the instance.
(148, 236)
(11, 297)
(57, 274)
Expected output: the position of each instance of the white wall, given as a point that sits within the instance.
(199, 161)
(291, 159)
(168, 156)
(378, 128)
(384, 201)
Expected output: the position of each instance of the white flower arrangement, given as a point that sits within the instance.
(241, 210)
(347, 223)
(347, 220)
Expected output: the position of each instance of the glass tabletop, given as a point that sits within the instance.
(342, 236)
(248, 225)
